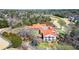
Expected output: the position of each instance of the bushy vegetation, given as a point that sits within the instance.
(63, 46)
(15, 40)
(3, 23)
(17, 25)
(35, 20)
(60, 15)
(77, 22)
(73, 38)
(31, 16)
(56, 46)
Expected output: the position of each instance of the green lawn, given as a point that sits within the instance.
(42, 45)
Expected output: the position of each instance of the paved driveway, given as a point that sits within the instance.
(3, 43)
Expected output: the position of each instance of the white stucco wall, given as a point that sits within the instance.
(54, 37)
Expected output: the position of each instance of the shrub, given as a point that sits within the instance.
(17, 25)
(15, 40)
(60, 15)
(3, 23)
(26, 21)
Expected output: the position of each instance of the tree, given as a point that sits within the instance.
(17, 25)
(26, 21)
(77, 22)
(15, 40)
(60, 15)
(3, 23)
(73, 38)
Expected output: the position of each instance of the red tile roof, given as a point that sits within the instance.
(38, 26)
(50, 29)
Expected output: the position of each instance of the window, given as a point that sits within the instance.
(45, 38)
(48, 38)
